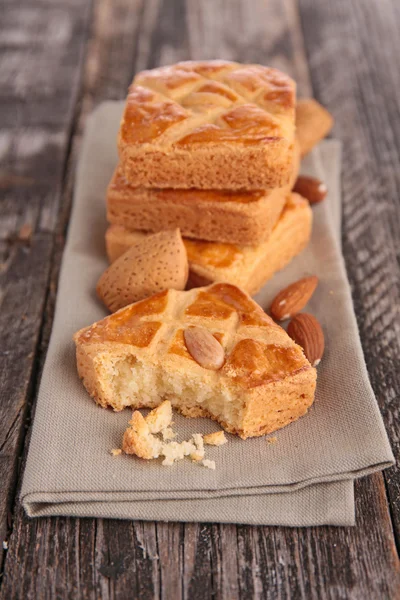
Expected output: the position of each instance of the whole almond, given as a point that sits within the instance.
(25, 233)
(293, 298)
(311, 188)
(154, 263)
(306, 331)
(204, 348)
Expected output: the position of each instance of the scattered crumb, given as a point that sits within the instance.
(25, 233)
(198, 454)
(175, 451)
(160, 418)
(168, 434)
(215, 439)
(272, 440)
(140, 439)
(5, 545)
(210, 464)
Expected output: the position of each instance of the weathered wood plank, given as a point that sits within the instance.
(20, 316)
(91, 558)
(359, 85)
(38, 91)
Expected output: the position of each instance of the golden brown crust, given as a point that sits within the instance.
(265, 382)
(210, 125)
(313, 123)
(246, 266)
(245, 218)
(199, 214)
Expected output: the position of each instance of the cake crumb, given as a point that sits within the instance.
(175, 451)
(198, 454)
(5, 545)
(141, 439)
(210, 464)
(138, 440)
(160, 417)
(168, 434)
(272, 440)
(215, 439)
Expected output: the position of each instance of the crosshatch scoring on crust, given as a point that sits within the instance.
(209, 125)
(252, 378)
(221, 102)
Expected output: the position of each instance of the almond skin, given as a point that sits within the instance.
(25, 233)
(156, 262)
(306, 331)
(204, 348)
(311, 188)
(293, 298)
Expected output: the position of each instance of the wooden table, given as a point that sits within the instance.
(59, 60)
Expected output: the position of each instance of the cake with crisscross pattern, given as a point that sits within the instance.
(248, 267)
(137, 357)
(210, 124)
(240, 217)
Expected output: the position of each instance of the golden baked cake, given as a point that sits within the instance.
(313, 123)
(141, 355)
(223, 216)
(248, 267)
(210, 125)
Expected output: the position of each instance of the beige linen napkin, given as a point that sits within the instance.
(305, 478)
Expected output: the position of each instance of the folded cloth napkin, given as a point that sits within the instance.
(305, 478)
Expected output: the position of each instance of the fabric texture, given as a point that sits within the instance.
(304, 478)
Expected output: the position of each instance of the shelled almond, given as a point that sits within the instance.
(306, 331)
(293, 298)
(310, 188)
(204, 348)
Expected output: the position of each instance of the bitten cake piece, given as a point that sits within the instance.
(248, 267)
(156, 350)
(211, 125)
(151, 264)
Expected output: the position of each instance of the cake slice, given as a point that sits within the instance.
(222, 216)
(210, 125)
(248, 267)
(313, 123)
(141, 356)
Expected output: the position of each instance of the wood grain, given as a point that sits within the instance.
(95, 558)
(38, 97)
(367, 122)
